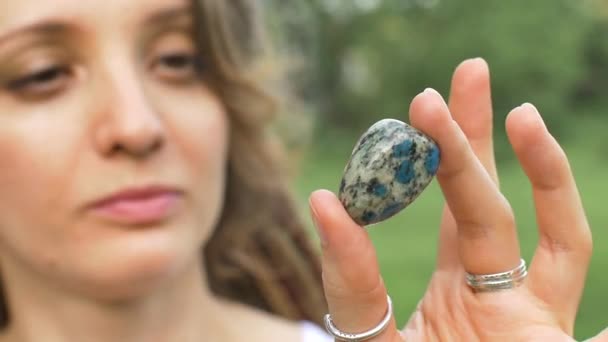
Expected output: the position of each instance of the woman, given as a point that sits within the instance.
(133, 136)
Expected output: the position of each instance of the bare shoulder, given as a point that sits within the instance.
(257, 325)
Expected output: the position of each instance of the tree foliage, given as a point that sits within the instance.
(368, 58)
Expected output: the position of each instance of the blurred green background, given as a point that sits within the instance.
(362, 60)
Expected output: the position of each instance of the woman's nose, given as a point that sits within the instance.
(129, 123)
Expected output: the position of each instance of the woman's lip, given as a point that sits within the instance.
(137, 207)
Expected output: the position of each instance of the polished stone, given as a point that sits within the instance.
(391, 164)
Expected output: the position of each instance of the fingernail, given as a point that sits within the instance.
(529, 106)
(430, 90)
(533, 108)
(315, 221)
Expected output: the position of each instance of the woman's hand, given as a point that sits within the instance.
(478, 233)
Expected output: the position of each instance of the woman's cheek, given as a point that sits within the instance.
(200, 135)
(30, 208)
(34, 171)
(199, 130)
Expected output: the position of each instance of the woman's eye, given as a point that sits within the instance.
(176, 67)
(177, 61)
(43, 82)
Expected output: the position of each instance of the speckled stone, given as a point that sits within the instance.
(391, 164)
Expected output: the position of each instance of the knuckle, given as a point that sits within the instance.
(454, 167)
(479, 228)
(580, 246)
(366, 288)
(557, 173)
(505, 217)
(474, 230)
(555, 245)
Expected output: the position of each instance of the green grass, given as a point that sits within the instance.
(407, 243)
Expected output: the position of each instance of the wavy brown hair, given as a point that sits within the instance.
(260, 253)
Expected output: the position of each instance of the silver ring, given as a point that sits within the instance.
(362, 336)
(498, 281)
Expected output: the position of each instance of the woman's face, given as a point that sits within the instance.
(99, 97)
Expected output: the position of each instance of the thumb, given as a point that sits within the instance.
(354, 289)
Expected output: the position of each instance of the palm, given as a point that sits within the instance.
(450, 312)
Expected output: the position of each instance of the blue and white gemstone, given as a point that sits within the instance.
(391, 164)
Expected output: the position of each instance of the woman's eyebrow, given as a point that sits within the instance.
(50, 28)
(168, 15)
(54, 27)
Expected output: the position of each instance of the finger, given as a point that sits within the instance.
(487, 238)
(471, 107)
(557, 273)
(354, 289)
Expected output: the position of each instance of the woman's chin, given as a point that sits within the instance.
(136, 263)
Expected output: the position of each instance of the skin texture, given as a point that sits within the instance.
(477, 232)
(99, 103)
(96, 97)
